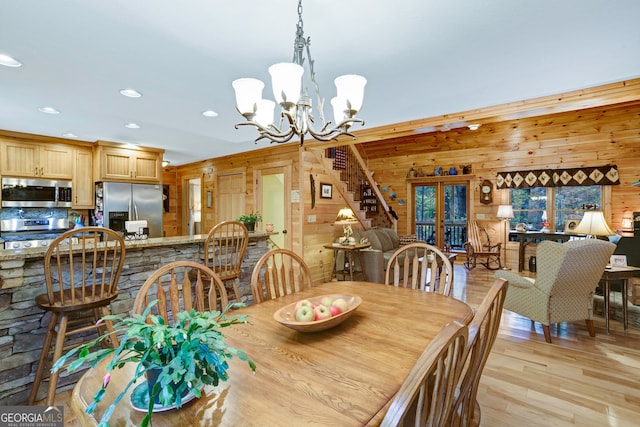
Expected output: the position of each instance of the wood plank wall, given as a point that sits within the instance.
(512, 137)
(594, 137)
(248, 162)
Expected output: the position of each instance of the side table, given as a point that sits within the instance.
(617, 273)
(348, 250)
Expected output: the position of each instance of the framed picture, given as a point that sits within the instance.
(618, 260)
(326, 191)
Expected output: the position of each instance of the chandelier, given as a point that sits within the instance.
(296, 116)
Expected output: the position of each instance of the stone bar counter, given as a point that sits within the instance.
(23, 324)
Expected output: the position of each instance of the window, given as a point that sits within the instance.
(557, 205)
(529, 206)
(569, 203)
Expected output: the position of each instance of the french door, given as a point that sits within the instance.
(440, 212)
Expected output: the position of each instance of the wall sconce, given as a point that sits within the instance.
(627, 223)
(165, 163)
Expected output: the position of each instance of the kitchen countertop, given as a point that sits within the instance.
(14, 254)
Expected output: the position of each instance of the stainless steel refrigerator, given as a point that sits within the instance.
(117, 202)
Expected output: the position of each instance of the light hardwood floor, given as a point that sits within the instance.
(574, 381)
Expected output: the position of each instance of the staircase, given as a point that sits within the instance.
(358, 188)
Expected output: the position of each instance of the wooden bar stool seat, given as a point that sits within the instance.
(224, 250)
(81, 268)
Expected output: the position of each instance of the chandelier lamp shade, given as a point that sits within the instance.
(593, 224)
(297, 116)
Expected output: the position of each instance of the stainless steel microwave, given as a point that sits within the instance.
(36, 193)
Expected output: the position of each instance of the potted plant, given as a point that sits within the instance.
(250, 220)
(184, 356)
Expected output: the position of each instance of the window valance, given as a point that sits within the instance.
(599, 175)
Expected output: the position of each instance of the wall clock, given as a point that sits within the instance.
(486, 192)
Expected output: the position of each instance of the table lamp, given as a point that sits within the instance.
(346, 217)
(593, 224)
(505, 213)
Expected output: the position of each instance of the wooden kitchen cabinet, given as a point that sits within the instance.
(83, 179)
(128, 165)
(53, 161)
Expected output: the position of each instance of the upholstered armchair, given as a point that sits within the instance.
(566, 279)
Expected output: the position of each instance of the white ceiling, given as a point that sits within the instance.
(422, 58)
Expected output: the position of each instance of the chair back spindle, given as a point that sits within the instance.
(277, 273)
(182, 286)
(420, 266)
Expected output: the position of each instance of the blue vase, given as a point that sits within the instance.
(152, 378)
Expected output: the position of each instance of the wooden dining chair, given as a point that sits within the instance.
(224, 250)
(279, 272)
(81, 272)
(483, 330)
(427, 394)
(181, 286)
(420, 266)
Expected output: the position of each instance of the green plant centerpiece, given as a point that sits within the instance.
(250, 220)
(186, 355)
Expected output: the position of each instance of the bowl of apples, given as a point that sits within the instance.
(318, 313)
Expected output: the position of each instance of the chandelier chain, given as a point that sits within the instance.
(297, 117)
(298, 57)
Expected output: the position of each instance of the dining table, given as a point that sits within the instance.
(346, 375)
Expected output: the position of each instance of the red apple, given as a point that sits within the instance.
(305, 314)
(335, 310)
(341, 304)
(322, 312)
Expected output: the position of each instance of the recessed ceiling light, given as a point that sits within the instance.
(473, 126)
(69, 135)
(132, 126)
(210, 113)
(49, 110)
(8, 61)
(131, 93)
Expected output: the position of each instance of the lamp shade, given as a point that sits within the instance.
(594, 224)
(346, 216)
(286, 79)
(505, 212)
(350, 87)
(248, 93)
(264, 113)
(339, 106)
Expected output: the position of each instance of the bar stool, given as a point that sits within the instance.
(82, 268)
(224, 250)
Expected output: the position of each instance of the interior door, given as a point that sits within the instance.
(191, 204)
(274, 203)
(440, 213)
(230, 196)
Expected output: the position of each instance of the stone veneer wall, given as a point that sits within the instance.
(23, 324)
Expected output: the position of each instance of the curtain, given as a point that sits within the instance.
(599, 175)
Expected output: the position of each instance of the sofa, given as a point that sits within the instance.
(384, 242)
